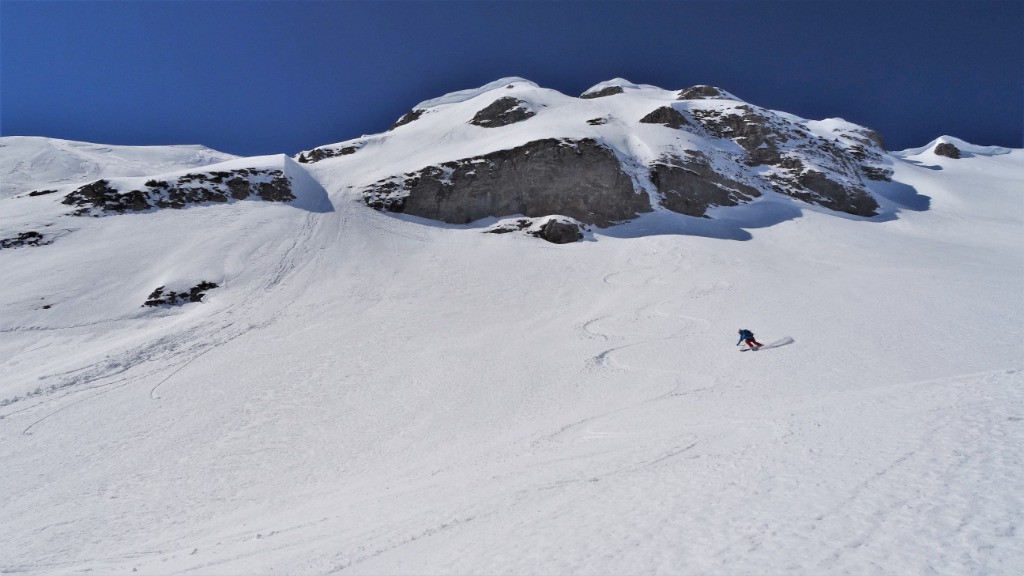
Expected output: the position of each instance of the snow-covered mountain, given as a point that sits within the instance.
(226, 365)
(620, 149)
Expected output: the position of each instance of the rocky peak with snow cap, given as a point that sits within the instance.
(513, 148)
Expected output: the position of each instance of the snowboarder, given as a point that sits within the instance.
(748, 337)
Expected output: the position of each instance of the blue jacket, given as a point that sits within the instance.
(745, 335)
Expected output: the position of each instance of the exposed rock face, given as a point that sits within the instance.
(741, 124)
(558, 232)
(821, 190)
(691, 186)
(41, 192)
(701, 92)
(948, 150)
(324, 152)
(502, 112)
(769, 140)
(666, 116)
(99, 198)
(606, 91)
(194, 294)
(410, 116)
(30, 238)
(579, 179)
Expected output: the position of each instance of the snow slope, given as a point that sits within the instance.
(376, 394)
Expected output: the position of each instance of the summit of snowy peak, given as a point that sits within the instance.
(614, 86)
(463, 95)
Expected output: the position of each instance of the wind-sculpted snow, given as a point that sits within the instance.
(31, 163)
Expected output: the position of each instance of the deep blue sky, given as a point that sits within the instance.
(270, 77)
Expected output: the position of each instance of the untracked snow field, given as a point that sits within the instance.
(372, 394)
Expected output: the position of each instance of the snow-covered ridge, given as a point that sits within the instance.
(686, 150)
(463, 95)
(30, 162)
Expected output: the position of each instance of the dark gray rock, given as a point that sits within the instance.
(41, 192)
(948, 150)
(559, 232)
(597, 121)
(502, 112)
(406, 118)
(606, 91)
(30, 238)
(160, 297)
(835, 196)
(323, 153)
(579, 179)
(100, 198)
(692, 186)
(701, 92)
(743, 125)
(761, 133)
(666, 116)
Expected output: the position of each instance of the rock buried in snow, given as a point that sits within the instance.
(948, 150)
(554, 230)
(606, 91)
(411, 116)
(559, 232)
(666, 116)
(161, 297)
(325, 152)
(30, 238)
(502, 112)
(100, 197)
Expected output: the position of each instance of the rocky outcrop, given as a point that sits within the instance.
(769, 140)
(559, 232)
(948, 150)
(161, 297)
(666, 116)
(324, 152)
(502, 112)
(743, 125)
(690, 186)
(606, 91)
(410, 116)
(702, 92)
(30, 238)
(555, 230)
(99, 198)
(577, 178)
